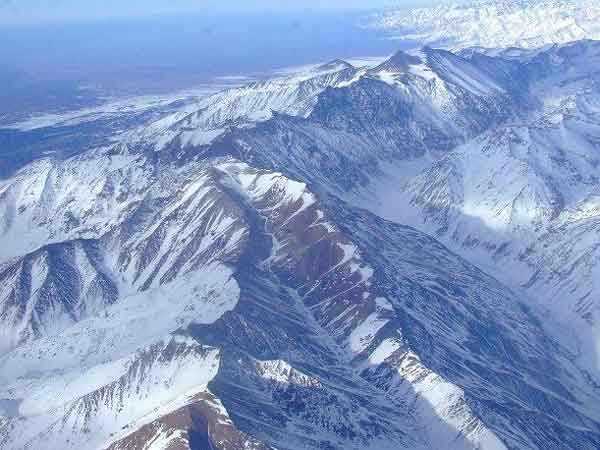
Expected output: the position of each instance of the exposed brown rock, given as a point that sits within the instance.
(200, 425)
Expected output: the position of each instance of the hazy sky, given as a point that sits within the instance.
(34, 11)
(51, 49)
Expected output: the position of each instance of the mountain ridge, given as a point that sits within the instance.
(260, 288)
(493, 23)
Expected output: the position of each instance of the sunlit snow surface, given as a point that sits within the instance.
(495, 24)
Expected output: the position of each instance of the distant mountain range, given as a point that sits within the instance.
(399, 256)
(493, 24)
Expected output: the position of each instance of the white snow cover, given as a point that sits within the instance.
(80, 378)
(169, 241)
(291, 91)
(438, 403)
(495, 23)
(519, 201)
(362, 336)
(112, 108)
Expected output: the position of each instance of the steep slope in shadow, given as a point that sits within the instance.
(283, 377)
(432, 320)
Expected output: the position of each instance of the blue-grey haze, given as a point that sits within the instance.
(36, 11)
(45, 65)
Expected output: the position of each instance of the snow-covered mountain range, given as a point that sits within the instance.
(494, 24)
(396, 256)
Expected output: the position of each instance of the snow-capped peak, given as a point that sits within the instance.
(495, 23)
(334, 65)
(398, 62)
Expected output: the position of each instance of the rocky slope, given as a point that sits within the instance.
(164, 292)
(304, 331)
(520, 199)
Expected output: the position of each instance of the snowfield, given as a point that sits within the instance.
(495, 24)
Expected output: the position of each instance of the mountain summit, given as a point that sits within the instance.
(398, 62)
